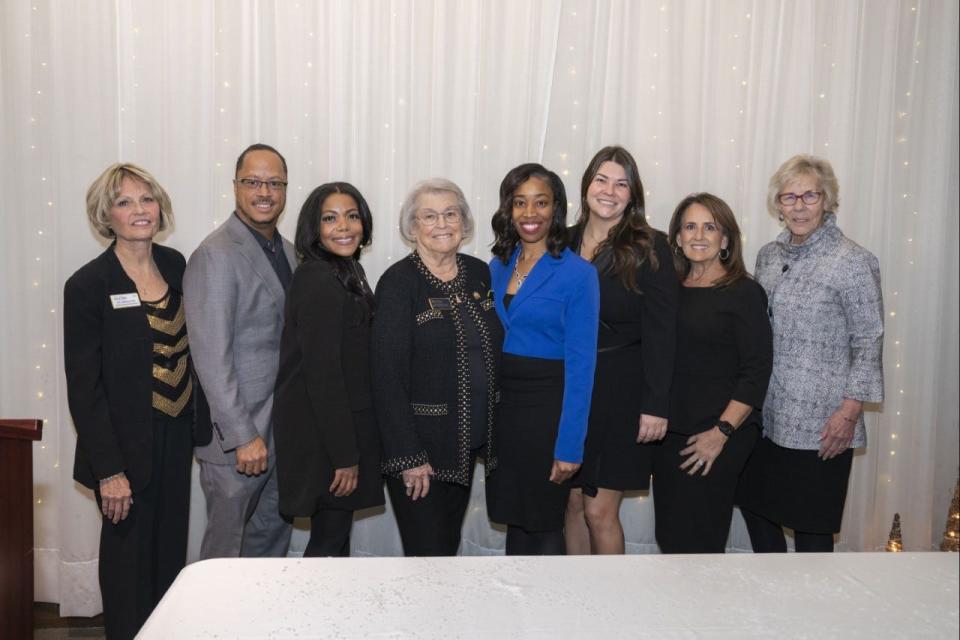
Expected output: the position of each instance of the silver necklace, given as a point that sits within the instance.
(520, 277)
(523, 276)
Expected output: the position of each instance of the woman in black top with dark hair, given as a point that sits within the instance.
(638, 314)
(328, 449)
(723, 362)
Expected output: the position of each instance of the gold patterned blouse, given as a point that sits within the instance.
(172, 385)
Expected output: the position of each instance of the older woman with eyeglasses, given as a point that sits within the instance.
(435, 350)
(826, 309)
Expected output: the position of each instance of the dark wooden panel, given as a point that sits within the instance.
(16, 530)
(21, 429)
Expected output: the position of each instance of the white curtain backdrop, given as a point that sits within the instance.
(708, 95)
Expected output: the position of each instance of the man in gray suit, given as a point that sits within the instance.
(233, 292)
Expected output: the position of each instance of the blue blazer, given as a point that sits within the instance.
(555, 315)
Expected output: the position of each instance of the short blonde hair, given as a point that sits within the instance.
(104, 190)
(804, 165)
(408, 210)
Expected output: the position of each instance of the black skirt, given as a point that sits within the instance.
(519, 491)
(795, 488)
(693, 512)
(612, 458)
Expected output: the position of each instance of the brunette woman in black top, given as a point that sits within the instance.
(638, 312)
(328, 449)
(723, 362)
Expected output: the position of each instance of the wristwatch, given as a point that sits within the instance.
(725, 427)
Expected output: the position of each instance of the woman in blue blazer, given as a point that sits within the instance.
(548, 300)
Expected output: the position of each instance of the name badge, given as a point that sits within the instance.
(124, 300)
(440, 304)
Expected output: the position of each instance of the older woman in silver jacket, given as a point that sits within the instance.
(826, 309)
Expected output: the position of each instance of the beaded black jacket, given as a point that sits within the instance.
(421, 366)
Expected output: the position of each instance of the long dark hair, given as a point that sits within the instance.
(630, 243)
(309, 247)
(506, 236)
(723, 216)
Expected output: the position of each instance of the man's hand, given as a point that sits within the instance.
(252, 457)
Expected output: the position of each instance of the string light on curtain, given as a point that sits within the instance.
(901, 123)
(37, 280)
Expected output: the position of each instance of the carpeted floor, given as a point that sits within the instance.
(48, 625)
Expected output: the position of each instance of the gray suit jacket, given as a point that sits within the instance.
(234, 306)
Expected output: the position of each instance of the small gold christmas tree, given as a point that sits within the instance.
(895, 543)
(951, 533)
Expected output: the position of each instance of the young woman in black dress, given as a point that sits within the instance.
(723, 362)
(638, 312)
(328, 446)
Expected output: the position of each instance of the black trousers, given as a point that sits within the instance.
(521, 542)
(693, 512)
(329, 534)
(768, 537)
(141, 556)
(430, 526)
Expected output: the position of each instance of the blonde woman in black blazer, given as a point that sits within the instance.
(132, 396)
(328, 448)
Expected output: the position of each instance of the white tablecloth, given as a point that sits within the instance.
(843, 595)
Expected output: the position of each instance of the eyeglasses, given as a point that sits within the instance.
(429, 217)
(790, 199)
(254, 185)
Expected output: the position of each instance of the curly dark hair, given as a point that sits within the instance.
(630, 242)
(723, 216)
(309, 246)
(506, 236)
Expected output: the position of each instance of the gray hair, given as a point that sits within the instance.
(804, 165)
(408, 210)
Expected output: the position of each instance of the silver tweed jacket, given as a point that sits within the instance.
(826, 309)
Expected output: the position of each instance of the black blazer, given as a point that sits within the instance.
(108, 357)
(323, 411)
(647, 318)
(423, 410)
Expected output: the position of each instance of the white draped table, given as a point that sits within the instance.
(843, 595)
